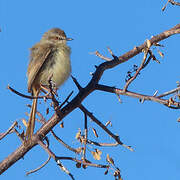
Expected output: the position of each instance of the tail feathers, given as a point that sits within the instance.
(31, 122)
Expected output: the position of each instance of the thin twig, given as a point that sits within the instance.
(76, 83)
(2, 135)
(101, 56)
(115, 137)
(26, 96)
(66, 100)
(42, 120)
(47, 141)
(63, 168)
(172, 2)
(85, 163)
(169, 92)
(164, 7)
(51, 154)
(21, 136)
(63, 143)
(138, 70)
(135, 95)
(148, 60)
(85, 135)
(37, 169)
(46, 148)
(102, 144)
(110, 51)
(153, 56)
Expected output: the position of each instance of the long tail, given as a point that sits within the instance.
(32, 117)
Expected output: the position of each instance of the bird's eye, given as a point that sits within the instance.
(57, 38)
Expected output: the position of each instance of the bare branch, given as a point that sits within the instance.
(115, 137)
(101, 56)
(85, 135)
(2, 135)
(26, 96)
(85, 163)
(63, 143)
(21, 136)
(40, 167)
(172, 2)
(66, 100)
(76, 83)
(51, 154)
(135, 95)
(102, 144)
(138, 70)
(169, 92)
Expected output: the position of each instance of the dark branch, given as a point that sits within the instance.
(63, 143)
(85, 163)
(93, 118)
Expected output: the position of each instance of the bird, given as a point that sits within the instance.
(49, 58)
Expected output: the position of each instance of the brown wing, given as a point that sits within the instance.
(39, 54)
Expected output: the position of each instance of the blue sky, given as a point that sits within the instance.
(150, 128)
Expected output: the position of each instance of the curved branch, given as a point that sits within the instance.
(40, 167)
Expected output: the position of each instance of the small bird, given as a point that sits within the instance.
(49, 58)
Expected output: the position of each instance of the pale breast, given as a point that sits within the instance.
(59, 67)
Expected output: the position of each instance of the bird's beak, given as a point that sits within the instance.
(69, 39)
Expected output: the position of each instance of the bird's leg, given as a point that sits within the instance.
(47, 90)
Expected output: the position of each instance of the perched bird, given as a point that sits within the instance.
(49, 58)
